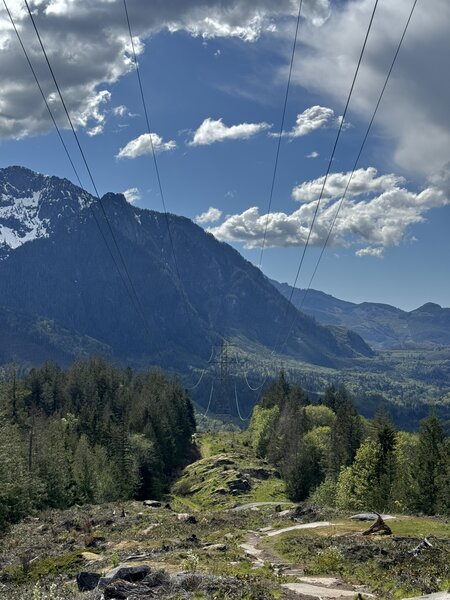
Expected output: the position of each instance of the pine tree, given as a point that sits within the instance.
(431, 464)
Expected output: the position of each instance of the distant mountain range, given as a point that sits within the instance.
(62, 296)
(382, 326)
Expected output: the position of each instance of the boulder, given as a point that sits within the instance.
(285, 514)
(152, 503)
(186, 518)
(156, 578)
(364, 517)
(131, 574)
(216, 547)
(239, 485)
(259, 473)
(122, 590)
(87, 581)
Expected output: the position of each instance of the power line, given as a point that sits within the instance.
(341, 125)
(238, 408)
(133, 295)
(155, 162)
(363, 143)
(30, 64)
(210, 400)
(277, 154)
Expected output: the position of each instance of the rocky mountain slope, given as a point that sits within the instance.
(54, 263)
(380, 325)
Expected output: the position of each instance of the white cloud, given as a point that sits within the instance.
(364, 181)
(315, 117)
(312, 154)
(211, 131)
(143, 145)
(120, 111)
(377, 213)
(414, 111)
(370, 251)
(88, 46)
(210, 216)
(132, 195)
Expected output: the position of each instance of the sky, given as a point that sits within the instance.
(214, 74)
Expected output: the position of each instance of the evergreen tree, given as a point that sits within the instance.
(431, 464)
(346, 431)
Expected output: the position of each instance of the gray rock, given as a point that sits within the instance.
(152, 503)
(131, 574)
(156, 578)
(186, 518)
(87, 581)
(123, 590)
(216, 547)
(239, 485)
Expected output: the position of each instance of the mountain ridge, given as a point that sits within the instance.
(381, 325)
(65, 273)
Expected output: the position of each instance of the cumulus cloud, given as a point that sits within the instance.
(132, 195)
(376, 214)
(364, 181)
(210, 216)
(370, 251)
(88, 46)
(315, 117)
(145, 144)
(312, 154)
(414, 111)
(212, 131)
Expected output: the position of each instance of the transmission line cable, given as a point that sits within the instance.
(210, 400)
(198, 381)
(341, 125)
(155, 162)
(363, 143)
(133, 294)
(238, 408)
(277, 154)
(58, 131)
(33, 71)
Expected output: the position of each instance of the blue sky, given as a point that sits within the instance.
(202, 62)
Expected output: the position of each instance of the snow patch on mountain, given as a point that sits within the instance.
(31, 205)
(20, 220)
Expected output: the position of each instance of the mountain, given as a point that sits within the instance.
(380, 325)
(30, 339)
(54, 262)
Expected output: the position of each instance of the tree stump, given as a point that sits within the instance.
(378, 527)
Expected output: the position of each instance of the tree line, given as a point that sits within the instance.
(93, 433)
(330, 454)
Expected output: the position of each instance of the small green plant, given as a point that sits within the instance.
(51, 593)
(115, 560)
(191, 562)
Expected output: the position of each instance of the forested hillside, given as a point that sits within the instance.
(92, 433)
(327, 452)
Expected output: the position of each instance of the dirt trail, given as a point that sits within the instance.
(324, 588)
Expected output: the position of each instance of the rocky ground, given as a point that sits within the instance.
(227, 532)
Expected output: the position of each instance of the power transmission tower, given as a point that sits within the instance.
(223, 403)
